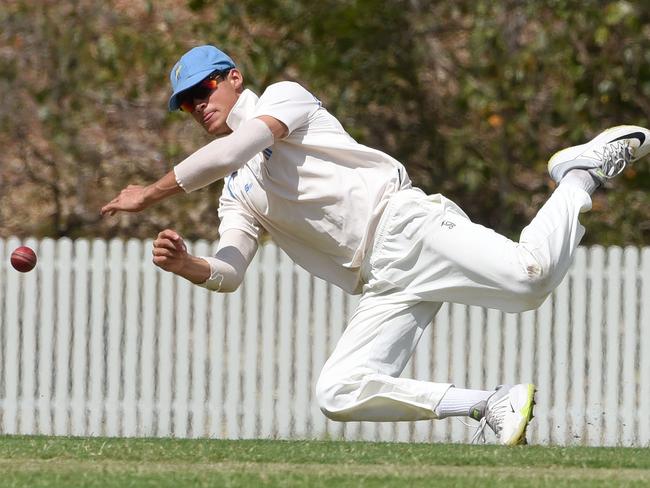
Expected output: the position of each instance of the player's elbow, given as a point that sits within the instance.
(223, 282)
(229, 286)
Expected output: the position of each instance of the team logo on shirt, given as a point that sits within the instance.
(447, 223)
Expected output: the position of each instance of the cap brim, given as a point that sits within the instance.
(186, 84)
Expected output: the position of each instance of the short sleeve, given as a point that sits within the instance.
(233, 215)
(288, 102)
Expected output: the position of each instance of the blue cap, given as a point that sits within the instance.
(194, 66)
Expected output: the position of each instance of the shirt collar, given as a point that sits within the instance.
(243, 110)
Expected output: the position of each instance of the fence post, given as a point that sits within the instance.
(80, 324)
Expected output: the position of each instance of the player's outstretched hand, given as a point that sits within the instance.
(170, 252)
(131, 199)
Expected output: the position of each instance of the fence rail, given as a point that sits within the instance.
(97, 341)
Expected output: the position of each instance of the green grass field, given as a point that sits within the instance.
(71, 462)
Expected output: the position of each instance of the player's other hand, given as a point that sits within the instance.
(170, 252)
(131, 199)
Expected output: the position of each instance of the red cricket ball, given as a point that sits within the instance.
(23, 259)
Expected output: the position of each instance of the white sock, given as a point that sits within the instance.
(458, 402)
(582, 179)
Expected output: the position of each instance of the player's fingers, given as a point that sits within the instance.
(169, 234)
(164, 243)
(113, 206)
(161, 261)
(107, 209)
(180, 245)
(162, 252)
(174, 238)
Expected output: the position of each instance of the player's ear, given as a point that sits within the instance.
(236, 79)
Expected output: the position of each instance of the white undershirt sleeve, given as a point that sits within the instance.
(228, 266)
(223, 156)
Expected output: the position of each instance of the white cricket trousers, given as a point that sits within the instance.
(426, 251)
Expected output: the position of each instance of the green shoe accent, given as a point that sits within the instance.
(527, 410)
(476, 414)
(527, 414)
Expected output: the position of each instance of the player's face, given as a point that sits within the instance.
(213, 99)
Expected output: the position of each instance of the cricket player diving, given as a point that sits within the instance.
(349, 214)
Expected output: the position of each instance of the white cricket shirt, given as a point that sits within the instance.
(318, 192)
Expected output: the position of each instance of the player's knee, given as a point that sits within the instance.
(330, 395)
(532, 288)
(326, 393)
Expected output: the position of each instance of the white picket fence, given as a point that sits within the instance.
(98, 341)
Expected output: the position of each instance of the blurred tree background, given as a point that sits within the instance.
(472, 96)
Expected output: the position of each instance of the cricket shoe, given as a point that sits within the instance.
(605, 156)
(508, 411)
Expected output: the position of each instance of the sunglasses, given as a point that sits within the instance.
(200, 91)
